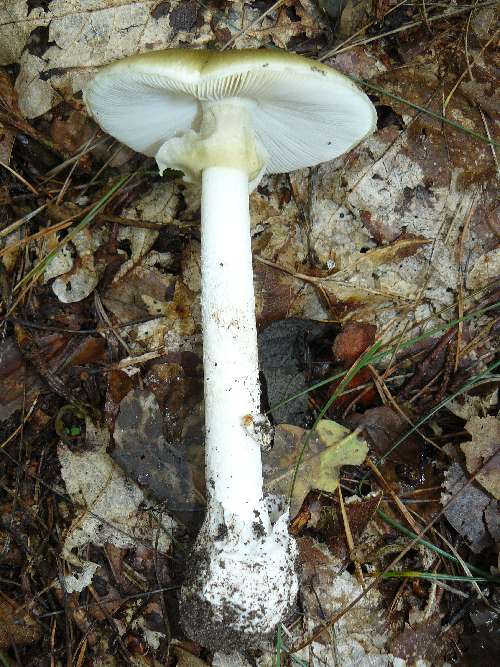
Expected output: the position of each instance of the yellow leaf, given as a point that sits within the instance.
(329, 447)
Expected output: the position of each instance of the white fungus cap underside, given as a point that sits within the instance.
(302, 113)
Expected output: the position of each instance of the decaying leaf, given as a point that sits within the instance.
(417, 641)
(108, 503)
(485, 270)
(466, 513)
(361, 636)
(467, 406)
(16, 625)
(485, 432)
(383, 426)
(403, 182)
(330, 524)
(18, 384)
(294, 17)
(8, 101)
(142, 451)
(185, 658)
(77, 278)
(329, 447)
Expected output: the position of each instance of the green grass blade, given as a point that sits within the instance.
(279, 645)
(429, 545)
(39, 268)
(413, 574)
(365, 359)
(389, 351)
(465, 387)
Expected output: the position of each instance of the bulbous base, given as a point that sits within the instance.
(242, 582)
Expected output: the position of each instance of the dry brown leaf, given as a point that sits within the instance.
(361, 635)
(485, 432)
(16, 627)
(8, 103)
(187, 659)
(405, 246)
(294, 17)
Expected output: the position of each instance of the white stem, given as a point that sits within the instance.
(232, 395)
(243, 580)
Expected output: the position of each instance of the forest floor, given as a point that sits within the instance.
(377, 292)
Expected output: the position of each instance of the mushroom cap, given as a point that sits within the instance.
(302, 111)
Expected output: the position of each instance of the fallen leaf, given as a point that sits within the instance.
(394, 252)
(16, 24)
(485, 270)
(8, 109)
(142, 451)
(382, 426)
(16, 625)
(466, 513)
(467, 406)
(331, 526)
(83, 37)
(418, 641)
(18, 384)
(485, 432)
(294, 18)
(354, 339)
(361, 634)
(77, 277)
(329, 447)
(71, 130)
(108, 504)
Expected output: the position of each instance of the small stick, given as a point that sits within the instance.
(350, 541)
(393, 495)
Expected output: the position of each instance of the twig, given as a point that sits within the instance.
(349, 540)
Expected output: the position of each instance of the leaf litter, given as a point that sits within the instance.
(100, 363)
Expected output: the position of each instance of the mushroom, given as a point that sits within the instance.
(227, 119)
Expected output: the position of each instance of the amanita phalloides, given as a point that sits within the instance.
(227, 119)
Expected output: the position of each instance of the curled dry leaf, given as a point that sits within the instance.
(77, 277)
(330, 446)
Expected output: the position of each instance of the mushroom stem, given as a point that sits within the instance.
(242, 578)
(230, 358)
